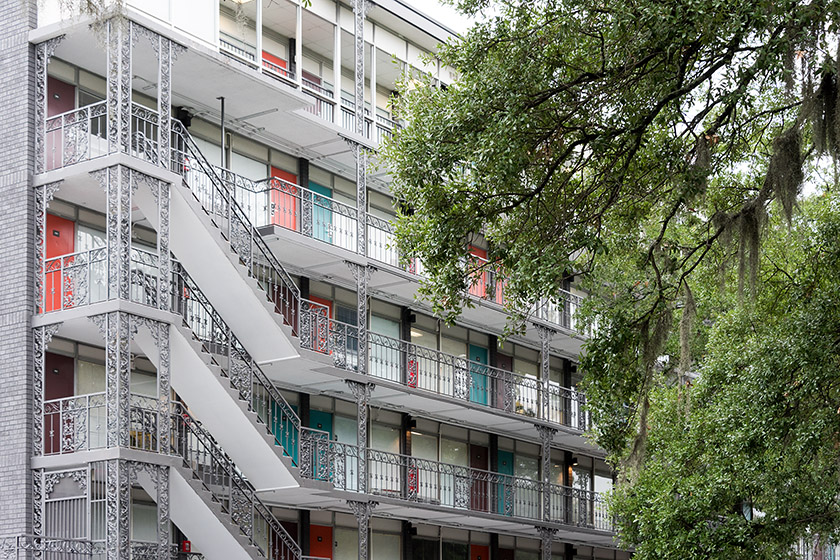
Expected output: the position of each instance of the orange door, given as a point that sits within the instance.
(479, 552)
(285, 199)
(320, 541)
(478, 284)
(60, 240)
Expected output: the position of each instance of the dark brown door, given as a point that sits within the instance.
(479, 498)
(58, 384)
(504, 392)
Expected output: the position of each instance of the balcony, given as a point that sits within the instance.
(430, 483)
(434, 372)
(276, 203)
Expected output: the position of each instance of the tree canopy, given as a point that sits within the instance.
(656, 152)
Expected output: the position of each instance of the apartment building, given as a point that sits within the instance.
(212, 347)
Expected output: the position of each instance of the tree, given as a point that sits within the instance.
(656, 151)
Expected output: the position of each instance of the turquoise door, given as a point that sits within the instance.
(321, 213)
(284, 432)
(323, 421)
(504, 492)
(478, 374)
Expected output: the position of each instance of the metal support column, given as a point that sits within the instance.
(546, 536)
(362, 511)
(545, 357)
(115, 329)
(119, 77)
(362, 393)
(43, 53)
(360, 8)
(546, 435)
(117, 510)
(362, 275)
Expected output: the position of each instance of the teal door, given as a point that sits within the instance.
(478, 374)
(504, 492)
(323, 421)
(321, 212)
(284, 432)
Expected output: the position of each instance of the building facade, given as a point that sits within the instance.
(211, 345)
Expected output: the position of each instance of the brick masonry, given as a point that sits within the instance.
(17, 234)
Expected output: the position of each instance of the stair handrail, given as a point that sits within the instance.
(185, 291)
(185, 152)
(196, 446)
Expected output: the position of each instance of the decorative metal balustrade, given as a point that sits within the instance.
(76, 136)
(236, 364)
(234, 224)
(238, 498)
(25, 547)
(425, 481)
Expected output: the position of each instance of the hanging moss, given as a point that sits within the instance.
(686, 323)
(784, 172)
(822, 110)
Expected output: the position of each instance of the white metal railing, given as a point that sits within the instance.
(75, 136)
(426, 481)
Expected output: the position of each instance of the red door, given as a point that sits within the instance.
(285, 199)
(61, 97)
(479, 496)
(478, 283)
(60, 240)
(58, 384)
(479, 552)
(320, 541)
(320, 325)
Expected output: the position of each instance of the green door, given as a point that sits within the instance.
(478, 375)
(504, 492)
(321, 212)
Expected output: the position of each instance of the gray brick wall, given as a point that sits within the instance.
(17, 93)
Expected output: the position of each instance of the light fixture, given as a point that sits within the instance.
(574, 461)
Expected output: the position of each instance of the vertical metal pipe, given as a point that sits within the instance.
(224, 150)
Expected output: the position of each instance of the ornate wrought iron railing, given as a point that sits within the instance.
(75, 136)
(426, 481)
(562, 311)
(77, 423)
(236, 364)
(74, 280)
(24, 547)
(219, 203)
(82, 278)
(220, 476)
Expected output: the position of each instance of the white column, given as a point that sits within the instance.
(373, 84)
(299, 45)
(259, 35)
(337, 67)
